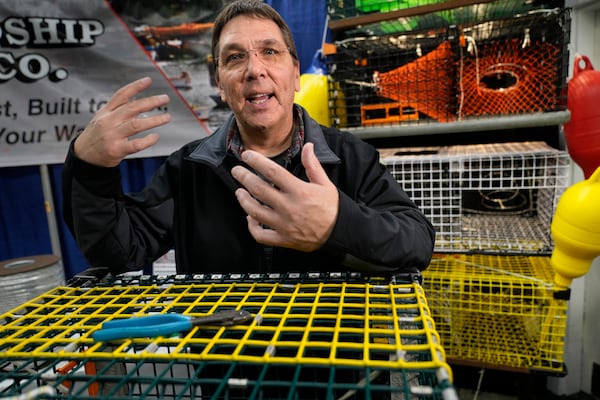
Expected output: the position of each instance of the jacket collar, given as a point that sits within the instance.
(212, 150)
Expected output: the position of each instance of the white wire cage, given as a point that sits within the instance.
(491, 198)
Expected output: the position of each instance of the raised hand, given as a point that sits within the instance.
(107, 140)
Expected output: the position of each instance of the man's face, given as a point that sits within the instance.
(257, 75)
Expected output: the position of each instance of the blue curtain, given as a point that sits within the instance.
(24, 229)
(23, 216)
(23, 226)
(306, 21)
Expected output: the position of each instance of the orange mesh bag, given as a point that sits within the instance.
(425, 84)
(504, 77)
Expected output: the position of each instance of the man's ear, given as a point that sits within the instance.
(297, 78)
(221, 91)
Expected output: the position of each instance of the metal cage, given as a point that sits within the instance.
(492, 198)
(499, 311)
(314, 336)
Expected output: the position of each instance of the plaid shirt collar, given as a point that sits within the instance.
(236, 147)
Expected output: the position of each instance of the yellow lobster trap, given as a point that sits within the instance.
(312, 336)
(498, 311)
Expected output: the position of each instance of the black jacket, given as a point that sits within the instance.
(190, 205)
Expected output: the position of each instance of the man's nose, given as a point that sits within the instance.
(255, 65)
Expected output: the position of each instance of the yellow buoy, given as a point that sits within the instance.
(576, 230)
(314, 94)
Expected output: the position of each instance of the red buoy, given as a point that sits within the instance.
(582, 132)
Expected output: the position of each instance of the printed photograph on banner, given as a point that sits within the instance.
(176, 36)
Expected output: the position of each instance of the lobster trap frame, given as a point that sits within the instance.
(334, 335)
(500, 312)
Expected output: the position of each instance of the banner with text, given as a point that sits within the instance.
(60, 61)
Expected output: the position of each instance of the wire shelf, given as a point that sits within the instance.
(384, 17)
(313, 336)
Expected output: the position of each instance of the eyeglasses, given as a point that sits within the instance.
(236, 60)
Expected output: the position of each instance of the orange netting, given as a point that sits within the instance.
(185, 29)
(504, 78)
(424, 84)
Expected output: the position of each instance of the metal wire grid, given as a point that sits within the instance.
(498, 311)
(491, 198)
(326, 339)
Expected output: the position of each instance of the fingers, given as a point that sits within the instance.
(282, 178)
(284, 210)
(127, 92)
(262, 221)
(270, 170)
(137, 145)
(134, 123)
(125, 113)
(277, 180)
(267, 190)
(266, 236)
(314, 169)
(256, 209)
(259, 198)
(108, 137)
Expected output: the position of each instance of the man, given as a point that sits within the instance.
(269, 191)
